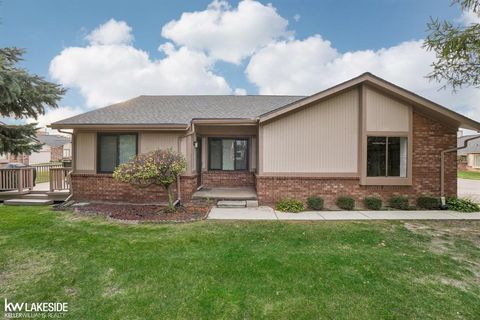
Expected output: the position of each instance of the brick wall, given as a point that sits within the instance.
(56, 154)
(228, 178)
(429, 139)
(102, 187)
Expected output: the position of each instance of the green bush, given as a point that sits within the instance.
(399, 202)
(373, 203)
(346, 203)
(315, 203)
(462, 205)
(429, 203)
(290, 205)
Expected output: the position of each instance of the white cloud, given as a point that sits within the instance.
(311, 65)
(53, 115)
(108, 73)
(297, 17)
(111, 32)
(240, 92)
(227, 33)
(469, 17)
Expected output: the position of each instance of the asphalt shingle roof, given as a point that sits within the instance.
(472, 146)
(53, 140)
(181, 109)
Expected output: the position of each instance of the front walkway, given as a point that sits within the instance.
(470, 189)
(267, 213)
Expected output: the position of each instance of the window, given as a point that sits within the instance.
(387, 157)
(228, 154)
(114, 149)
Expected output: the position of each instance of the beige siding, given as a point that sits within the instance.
(155, 141)
(85, 150)
(322, 138)
(385, 113)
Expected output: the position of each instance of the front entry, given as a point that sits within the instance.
(199, 161)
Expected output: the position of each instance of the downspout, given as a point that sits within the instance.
(70, 133)
(179, 194)
(442, 166)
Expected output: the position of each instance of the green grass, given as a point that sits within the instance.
(42, 176)
(475, 175)
(237, 270)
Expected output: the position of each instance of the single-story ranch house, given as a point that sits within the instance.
(469, 157)
(365, 136)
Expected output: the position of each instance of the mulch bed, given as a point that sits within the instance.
(144, 213)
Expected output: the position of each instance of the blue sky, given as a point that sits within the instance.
(47, 29)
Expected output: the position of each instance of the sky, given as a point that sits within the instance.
(109, 51)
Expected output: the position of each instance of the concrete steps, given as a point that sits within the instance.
(38, 196)
(27, 202)
(237, 203)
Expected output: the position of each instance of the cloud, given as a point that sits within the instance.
(297, 17)
(317, 65)
(112, 32)
(469, 17)
(53, 115)
(240, 92)
(226, 33)
(108, 73)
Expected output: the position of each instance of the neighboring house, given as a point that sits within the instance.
(53, 150)
(469, 158)
(362, 137)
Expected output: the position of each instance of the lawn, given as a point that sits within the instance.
(475, 175)
(208, 270)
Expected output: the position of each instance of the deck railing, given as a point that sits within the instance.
(43, 171)
(60, 179)
(16, 179)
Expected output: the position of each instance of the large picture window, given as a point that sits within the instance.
(228, 154)
(114, 149)
(387, 157)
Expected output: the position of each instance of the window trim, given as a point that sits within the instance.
(235, 150)
(387, 157)
(117, 134)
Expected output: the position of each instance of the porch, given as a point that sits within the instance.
(17, 186)
(226, 193)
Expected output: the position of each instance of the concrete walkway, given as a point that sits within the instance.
(267, 213)
(470, 189)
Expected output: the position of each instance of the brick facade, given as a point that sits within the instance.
(56, 154)
(429, 139)
(228, 178)
(102, 187)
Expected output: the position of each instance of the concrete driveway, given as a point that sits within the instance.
(469, 189)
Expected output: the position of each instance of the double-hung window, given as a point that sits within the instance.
(387, 157)
(114, 149)
(228, 154)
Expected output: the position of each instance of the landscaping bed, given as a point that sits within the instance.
(145, 213)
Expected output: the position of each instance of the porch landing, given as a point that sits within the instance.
(237, 193)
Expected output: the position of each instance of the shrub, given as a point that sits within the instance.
(373, 203)
(399, 202)
(462, 205)
(346, 203)
(429, 203)
(290, 205)
(315, 203)
(160, 167)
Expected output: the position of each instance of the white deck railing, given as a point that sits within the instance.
(16, 179)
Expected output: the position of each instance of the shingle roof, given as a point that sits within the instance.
(472, 146)
(180, 109)
(53, 140)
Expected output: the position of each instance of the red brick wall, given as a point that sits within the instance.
(228, 178)
(102, 187)
(429, 139)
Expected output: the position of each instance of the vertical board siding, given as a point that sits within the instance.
(85, 151)
(155, 141)
(319, 139)
(385, 113)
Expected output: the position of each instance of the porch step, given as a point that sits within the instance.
(27, 202)
(38, 196)
(231, 204)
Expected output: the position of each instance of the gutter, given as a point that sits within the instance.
(442, 165)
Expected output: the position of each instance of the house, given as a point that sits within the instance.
(469, 157)
(55, 149)
(365, 136)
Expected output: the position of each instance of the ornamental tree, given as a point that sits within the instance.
(160, 167)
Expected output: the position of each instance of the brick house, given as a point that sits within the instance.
(469, 157)
(365, 136)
